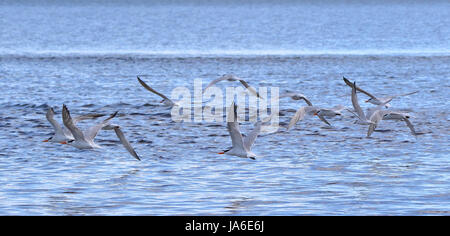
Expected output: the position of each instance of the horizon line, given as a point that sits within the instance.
(219, 53)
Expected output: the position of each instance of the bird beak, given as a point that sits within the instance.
(221, 153)
(366, 101)
(63, 142)
(45, 141)
(315, 114)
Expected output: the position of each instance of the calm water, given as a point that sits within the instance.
(88, 56)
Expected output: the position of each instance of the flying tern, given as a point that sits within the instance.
(241, 146)
(231, 77)
(85, 140)
(363, 119)
(388, 115)
(377, 100)
(62, 134)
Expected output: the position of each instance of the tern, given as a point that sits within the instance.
(302, 111)
(300, 114)
(62, 134)
(375, 115)
(231, 77)
(85, 140)
(394, 115)
(296, 96)
(377, 100)
(166, 101)
(241, 146)
(388, 115)
(330, 112)
(363, 119)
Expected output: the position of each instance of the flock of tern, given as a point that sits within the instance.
(241, 145)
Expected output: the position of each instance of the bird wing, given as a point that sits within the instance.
(152, 90)
(287, 95)
(224, 77)
(56, 126)
(410, 126)
(371, 129)
(376, 117)
(250, 88)
(299, 115)
(306, 100)
(406, 94)
(338, 108)
(359, 89)
(86, 117)
(355, 102)
(68, 122)
(399, 95)
(323, 119)
(251, 137)
(371, 111)
(123, 140)
(233, 129)
(292, 95)
(92, 131)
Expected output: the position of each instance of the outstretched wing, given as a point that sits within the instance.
(224, 77)
(250, 88)
(410, 126)
(251, 137)
(371, 111)
(376, 117)
(50, 117)
(355, 102)
(123, 140)
(92, 132)
(233, 129)
(296, 96)
(152, 90)
(399, 95)
(306, 100)
(68, 122)
(299, 115)
(350, 84)
(406, 94)
(323, 119)
(86, 117)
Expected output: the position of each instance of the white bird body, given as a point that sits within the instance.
(62, 134)
(241, 146)
(393, 115)
(84, 144)
(239, 152)
(85, 140)
(331, 112)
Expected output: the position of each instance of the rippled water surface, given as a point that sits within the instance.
(88, 58)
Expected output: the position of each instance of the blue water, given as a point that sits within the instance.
(87, 55)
